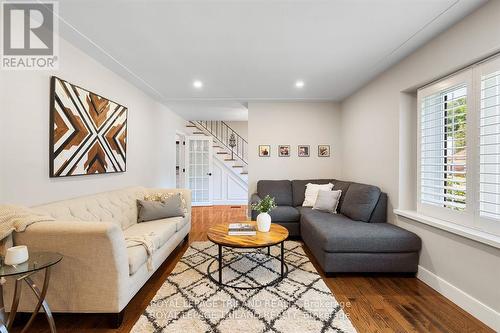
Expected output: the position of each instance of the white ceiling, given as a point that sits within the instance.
(210, 110)
(252, 50)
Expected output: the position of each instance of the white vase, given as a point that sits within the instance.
(263, 222)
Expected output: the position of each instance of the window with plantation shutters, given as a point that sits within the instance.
(458, 162)
(489, 144)
(443, 149)
(443, 158)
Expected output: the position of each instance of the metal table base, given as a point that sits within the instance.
(283, 269)
(6, 325)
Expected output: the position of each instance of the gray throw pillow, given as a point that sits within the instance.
(156, 210)
(327, 201)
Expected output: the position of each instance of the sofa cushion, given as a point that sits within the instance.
(299, 188)
(304, 210)
(119, 207)
(343, 186)
(359, 201)
(280, 190)
(285, 214)
(161, 230)
(379, 214)
(292, 227)
(180, 222)
(337, 233)
(137, 256)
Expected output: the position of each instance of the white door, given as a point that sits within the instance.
(180, 160)
(199, 169)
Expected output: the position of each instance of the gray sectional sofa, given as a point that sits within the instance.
(356, 239)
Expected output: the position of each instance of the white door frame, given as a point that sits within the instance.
(208, 169)
(182, 159)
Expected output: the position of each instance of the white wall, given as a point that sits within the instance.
(240, 127)
(465, 271)
(293, 123)
(24, 133)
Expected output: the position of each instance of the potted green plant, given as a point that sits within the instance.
(264, 206)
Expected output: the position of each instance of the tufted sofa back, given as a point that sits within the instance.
(119, 207)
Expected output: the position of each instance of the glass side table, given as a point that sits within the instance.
(38, 261)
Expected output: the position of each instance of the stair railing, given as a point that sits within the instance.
(222, 133)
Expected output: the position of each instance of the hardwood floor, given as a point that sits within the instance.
(373, 303)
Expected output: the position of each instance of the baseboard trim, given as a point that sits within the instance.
(468, 303)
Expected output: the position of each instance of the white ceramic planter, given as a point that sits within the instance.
(263, 222)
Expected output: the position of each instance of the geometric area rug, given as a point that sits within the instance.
(189, 302)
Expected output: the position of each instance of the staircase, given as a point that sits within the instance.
(229, 147)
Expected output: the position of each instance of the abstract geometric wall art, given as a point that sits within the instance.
(88, 133)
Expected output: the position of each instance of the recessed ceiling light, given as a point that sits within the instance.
(299, 84)
(198, 84)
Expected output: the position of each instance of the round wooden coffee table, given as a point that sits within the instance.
(218, 234)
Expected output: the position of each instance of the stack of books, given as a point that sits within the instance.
(241, 229)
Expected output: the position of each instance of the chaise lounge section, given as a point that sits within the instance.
(356, 239)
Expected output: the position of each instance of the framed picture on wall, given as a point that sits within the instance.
(284, 150)
(303, 150)
(88, 132)
(265, 150)
(324, 150)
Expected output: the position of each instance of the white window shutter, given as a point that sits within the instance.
(443, 189)
(489, 191)
(458, 156)
(443, 159)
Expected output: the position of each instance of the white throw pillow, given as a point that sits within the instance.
(312, 193)
(328, 201)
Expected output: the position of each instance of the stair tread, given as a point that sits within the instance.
(229, 159)
(237, 166)
(222, 152)
(191, 126)
(244, 173)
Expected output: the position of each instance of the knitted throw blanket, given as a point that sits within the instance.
(147, 241)
(17, 218)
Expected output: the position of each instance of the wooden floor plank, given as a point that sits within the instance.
(373, 303)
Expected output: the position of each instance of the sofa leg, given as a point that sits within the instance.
(186, 239)
(116, 319)
(330, 274)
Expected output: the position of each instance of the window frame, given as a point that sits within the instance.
(470, 218)
(465, 217)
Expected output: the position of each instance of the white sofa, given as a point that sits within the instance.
(98, 273)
